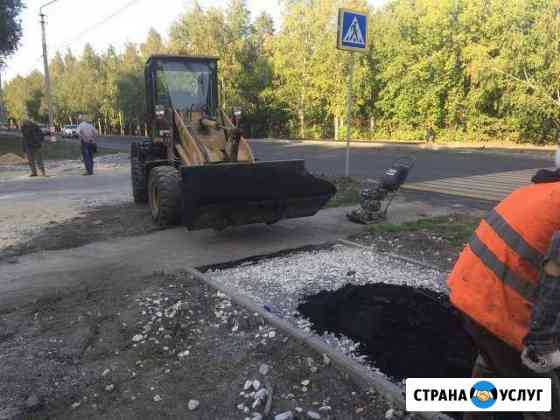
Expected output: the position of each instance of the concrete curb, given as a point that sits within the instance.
(345, 365)
(319, 141)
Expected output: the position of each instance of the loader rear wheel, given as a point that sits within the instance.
(164, 193)
(138, 176)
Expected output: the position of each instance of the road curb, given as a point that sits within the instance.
(355, 372)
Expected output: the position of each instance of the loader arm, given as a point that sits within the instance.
(202, 141)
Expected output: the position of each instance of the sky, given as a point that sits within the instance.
(73, 23)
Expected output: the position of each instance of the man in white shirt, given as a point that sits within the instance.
(87, 133)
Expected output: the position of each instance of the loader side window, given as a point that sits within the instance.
(185, 86)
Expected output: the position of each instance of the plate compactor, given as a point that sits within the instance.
(371, 208)
(197, 169)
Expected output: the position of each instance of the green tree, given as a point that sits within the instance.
(109, 101)
(152, 45)
(309, 73)
(23, 97)
(130, 91)
(10, 26)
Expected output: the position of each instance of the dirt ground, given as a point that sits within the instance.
(436, 241)
(92, 225)
(145, 347)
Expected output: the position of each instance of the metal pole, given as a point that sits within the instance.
(1, 98)
(46, 65)
(349, 112)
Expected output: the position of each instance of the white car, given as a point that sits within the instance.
(49, 134)
(70, 130)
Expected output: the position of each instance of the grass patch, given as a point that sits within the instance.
(61, 150)
(455, 229)
(347, 191)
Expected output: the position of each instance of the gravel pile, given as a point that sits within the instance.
(280, 284)
(12, 159)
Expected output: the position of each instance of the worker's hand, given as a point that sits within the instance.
(552, 257)
(540, 363)
(552, 268)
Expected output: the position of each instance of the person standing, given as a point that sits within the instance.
(87, 133)
(33, 139)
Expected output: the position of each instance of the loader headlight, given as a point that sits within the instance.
(160, 112)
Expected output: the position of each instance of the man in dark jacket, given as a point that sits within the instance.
(33, 139)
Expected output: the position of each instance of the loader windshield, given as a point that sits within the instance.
(186, 86)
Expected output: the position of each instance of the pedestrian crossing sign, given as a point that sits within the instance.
(352, 30)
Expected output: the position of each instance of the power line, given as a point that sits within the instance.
(80, 35)
(101, 22)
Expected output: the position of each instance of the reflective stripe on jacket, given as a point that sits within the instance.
(495, 278)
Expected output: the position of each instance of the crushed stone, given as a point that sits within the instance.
(280, 284)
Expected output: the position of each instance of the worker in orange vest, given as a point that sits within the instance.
(506, 282)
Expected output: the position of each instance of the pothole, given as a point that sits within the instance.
(403, 331)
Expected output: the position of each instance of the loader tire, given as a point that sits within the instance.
(139, 184)
(164, 192)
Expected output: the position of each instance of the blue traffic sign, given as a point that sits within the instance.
(352, 30)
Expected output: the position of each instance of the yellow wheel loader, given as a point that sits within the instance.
(197, 169)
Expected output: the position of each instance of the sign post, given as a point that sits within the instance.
(352, 37)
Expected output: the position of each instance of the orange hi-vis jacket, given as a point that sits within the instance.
(495, 278)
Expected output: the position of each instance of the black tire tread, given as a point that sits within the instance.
(169, 181)
(138, 176)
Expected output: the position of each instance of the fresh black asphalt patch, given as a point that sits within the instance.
(403, 331)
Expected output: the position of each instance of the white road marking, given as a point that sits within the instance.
(492, 187)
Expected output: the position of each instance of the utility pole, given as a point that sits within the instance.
(46, 63)
(2, 113)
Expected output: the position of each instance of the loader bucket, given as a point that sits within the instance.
(233, 194)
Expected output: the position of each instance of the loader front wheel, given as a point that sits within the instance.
(164, 193)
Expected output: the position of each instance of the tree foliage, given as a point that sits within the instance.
(10, 26)
(464, 69)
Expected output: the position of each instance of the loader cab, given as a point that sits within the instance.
(186, 84)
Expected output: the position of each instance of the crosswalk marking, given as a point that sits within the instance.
(492, 187)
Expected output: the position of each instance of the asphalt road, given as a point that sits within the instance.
(371, 161)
